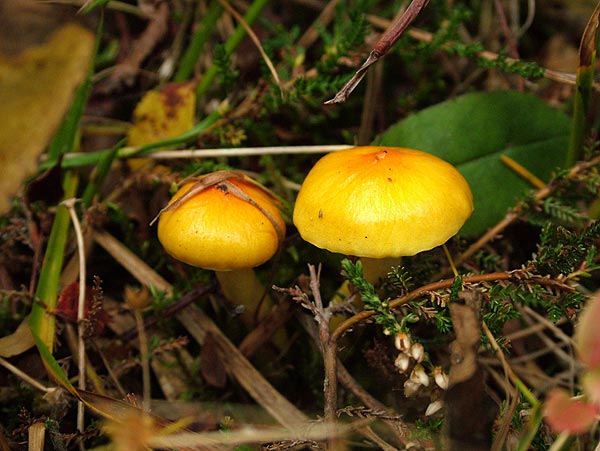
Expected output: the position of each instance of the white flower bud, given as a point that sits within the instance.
(419, 375)
(410, 388)
(441, 378)
(434, 407)
(417, 351)
(402, 342)
(402, 362)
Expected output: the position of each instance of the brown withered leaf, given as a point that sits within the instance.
(36, 88)
(18, 342)
(467, 327)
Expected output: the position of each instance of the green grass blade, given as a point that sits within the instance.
(42, 323)
(531, 428)
(100, 173)
(581, 125)
(91, 158)
(199, 39)
(52, 366)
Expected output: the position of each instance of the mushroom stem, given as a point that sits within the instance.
(242, 287)
(375, 269)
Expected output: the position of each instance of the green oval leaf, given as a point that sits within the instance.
(474, 130)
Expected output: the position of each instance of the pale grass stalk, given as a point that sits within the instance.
(528, 20)
(143, 339)
(36, 436)
(450, 260)
(70, 204)
(560, 442)
(527, 331)
(246, 435)
(228, 152)
(532, 317)
(198, 324)
(26, 377)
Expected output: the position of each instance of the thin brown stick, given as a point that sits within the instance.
(124, 72)
(385, 43)
(255, 40)
(329, 346)
(400, 429)
(447, 283)
(425, 36)
(371, 106)
(27, 378)
(311, 35)
(145, 357)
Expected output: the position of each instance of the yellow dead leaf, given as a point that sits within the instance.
(18, 342)
(36, 88)
(163, 114)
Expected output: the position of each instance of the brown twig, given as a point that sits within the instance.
(385, 43)
(371, 106)
(425, 36)
(311, 35)
(125, 72)
(329, 346)
(400, 429)
(516, 275)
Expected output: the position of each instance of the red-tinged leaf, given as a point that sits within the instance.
(566, 414)
(587, 334)
(68, 302)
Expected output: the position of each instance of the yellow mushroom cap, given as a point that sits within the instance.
(215, 229)
(381, 202)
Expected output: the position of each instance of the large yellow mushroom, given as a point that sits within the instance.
(226, 222)
(381, 203)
